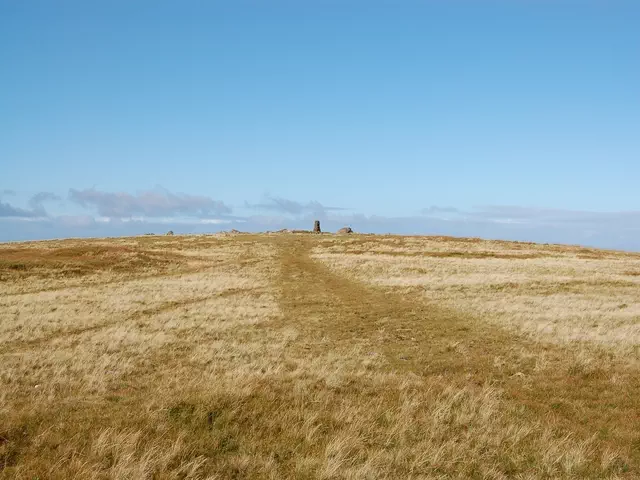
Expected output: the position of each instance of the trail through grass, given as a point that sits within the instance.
(265, 362)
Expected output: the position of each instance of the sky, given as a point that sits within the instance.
(500, 119)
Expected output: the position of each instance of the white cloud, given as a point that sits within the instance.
(291, 207)
(152, 203)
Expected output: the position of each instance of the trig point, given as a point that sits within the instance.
(316, 227)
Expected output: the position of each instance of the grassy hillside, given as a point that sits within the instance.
(318, 356)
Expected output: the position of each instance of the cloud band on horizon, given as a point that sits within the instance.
(121, 213)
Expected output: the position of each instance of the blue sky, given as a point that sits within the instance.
(500, 119)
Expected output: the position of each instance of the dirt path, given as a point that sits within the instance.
(601, 405)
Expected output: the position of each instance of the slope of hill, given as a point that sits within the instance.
(314, 356)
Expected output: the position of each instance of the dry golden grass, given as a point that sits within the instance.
(302, 356)
(561, 294)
